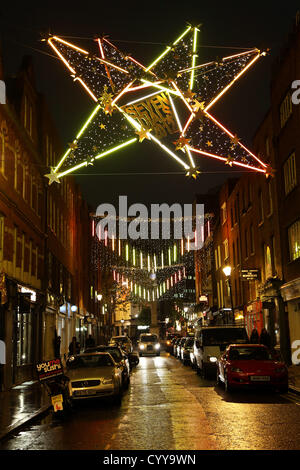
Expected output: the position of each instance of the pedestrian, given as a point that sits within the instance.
(57, 342)
(90, 342)
(254, 338)
(265, 338)
(74, 346)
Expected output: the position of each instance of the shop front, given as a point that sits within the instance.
(253, 317)
(291, 295)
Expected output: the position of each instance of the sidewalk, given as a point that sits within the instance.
(25, 402)
(20, 405)
(294, 378)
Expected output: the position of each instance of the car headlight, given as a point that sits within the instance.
(236, 369)
(157, 346)
(107, 381)
(142, 346)
(212, 358)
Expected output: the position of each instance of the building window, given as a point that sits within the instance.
(290, 175)
(1, 235)
(270, 200)
(246, 243)
(223, 213)
(219, 256)
(226, 251)
(251, 240)
(231, 215)
(294, 240)
(268, 262)
(267, 146)
(261, 207)
(286, 109)
(233, 254)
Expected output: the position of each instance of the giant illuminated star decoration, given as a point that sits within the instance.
(169, 103)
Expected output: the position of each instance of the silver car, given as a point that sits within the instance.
(94, 375)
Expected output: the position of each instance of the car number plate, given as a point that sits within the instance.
(260, 378)
(85, 392)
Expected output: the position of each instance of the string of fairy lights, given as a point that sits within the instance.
(149, 269)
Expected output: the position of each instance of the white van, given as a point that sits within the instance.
(211, 341)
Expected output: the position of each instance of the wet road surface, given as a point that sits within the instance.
(169, 407)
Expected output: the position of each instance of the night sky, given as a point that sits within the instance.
(143, 29)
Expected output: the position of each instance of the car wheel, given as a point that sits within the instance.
(127, 382)
(228, 387)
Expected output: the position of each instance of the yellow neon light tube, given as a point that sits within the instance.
(156, 85)
(231, 83)
(193, 59)
(180, 128)
(168, 48)
(77, 136)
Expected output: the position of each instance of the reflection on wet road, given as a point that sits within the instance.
(168, 406)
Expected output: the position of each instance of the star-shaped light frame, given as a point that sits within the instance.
(111, 77)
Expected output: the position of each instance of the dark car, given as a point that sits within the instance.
(119, 357)
(186, 349)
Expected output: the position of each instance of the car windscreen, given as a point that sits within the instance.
(92, 360)
(217, 336)
(120, 340)
(248, 354)
(149, 339)
(114, 352)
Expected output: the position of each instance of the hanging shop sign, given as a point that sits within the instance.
(250, 274)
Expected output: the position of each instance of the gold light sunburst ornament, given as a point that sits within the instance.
(155, 101)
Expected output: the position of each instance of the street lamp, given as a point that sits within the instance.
(227, 272)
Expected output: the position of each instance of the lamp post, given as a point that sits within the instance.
(227, 272)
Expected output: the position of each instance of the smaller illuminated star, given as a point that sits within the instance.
(181, 143)
(53, 178)
(143, 134)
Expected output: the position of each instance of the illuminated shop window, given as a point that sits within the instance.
(294, 240)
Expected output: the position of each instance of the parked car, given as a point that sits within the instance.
(186, 350)
(148, 344)
(123, 341)
(169, 343)
(211, 341)
(120, 358)
(175, 346)
(180, 344)
(94, 375)
(251, 365)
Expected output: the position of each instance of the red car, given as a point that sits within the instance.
(251, 365)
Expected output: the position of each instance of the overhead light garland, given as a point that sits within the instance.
(173, 95)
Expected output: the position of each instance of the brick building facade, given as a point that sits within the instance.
(49, 289)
